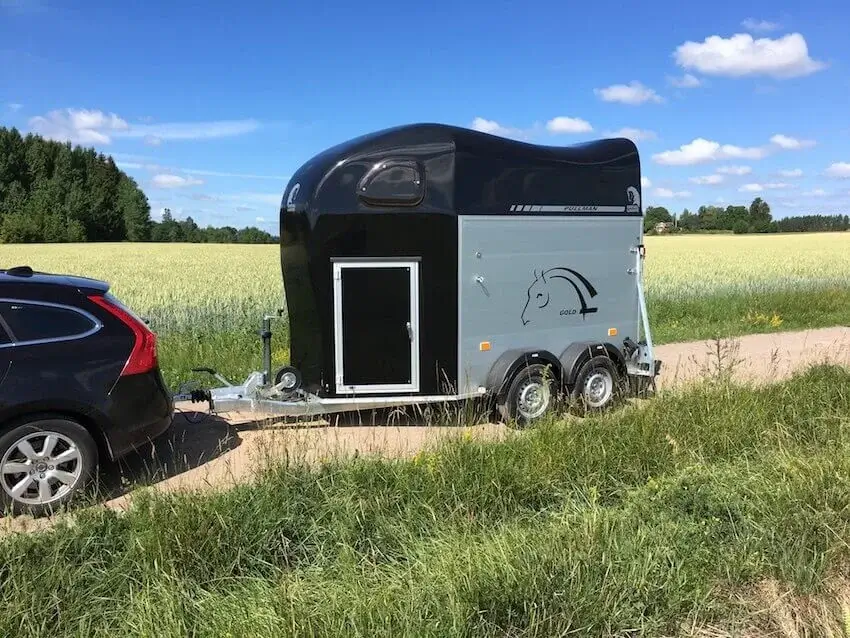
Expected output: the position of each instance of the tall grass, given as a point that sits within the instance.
(642, 520)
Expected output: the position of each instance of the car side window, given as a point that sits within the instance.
(35, 322)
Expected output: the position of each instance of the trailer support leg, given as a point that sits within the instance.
(266, 335)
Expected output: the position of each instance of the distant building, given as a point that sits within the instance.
(663, 227)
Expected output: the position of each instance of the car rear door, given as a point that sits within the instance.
(45, 357)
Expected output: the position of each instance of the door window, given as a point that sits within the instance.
(30, 321)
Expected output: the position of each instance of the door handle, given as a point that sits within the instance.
(409, 331)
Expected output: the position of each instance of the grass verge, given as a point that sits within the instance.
(237, 352)
(686, 318)
(645, 520)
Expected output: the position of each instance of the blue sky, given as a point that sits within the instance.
(211, 107)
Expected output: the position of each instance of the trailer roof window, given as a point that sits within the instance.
(393, 182)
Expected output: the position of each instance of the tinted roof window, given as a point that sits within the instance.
(4, 338)
(393, 182)
(30, 322)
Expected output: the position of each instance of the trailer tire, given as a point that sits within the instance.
(531, 395)
(598, 386)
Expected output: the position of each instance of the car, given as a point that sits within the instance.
(80, 383)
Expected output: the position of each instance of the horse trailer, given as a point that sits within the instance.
(429, 263)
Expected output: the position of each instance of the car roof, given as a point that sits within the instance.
(24, 275)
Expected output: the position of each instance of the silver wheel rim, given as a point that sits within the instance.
(40, 468)
(598, 388)
(533, 399)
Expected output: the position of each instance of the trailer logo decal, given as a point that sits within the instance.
(565, 208)
(290, 201)
(633, 198)
(543, 288)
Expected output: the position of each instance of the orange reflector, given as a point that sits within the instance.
(484, 346)
(612, 332)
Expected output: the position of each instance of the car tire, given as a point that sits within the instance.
(39, 481)
(598, 386)
(531, 396)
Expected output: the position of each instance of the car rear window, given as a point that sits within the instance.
(35, 322)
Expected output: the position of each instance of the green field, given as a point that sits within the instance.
(718, 508)
(205, 301)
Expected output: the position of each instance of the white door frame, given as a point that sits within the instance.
(338, 267)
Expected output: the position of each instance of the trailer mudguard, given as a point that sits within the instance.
(577, 354)
(511, 362)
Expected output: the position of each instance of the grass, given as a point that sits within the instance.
(206, 301)
(653, 520)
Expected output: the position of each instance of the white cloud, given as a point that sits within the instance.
(634, 134)
(632, 93)
(669, 194)
(272, 199)
(687, 81)
(494, 128)
(702, 150)
(838, 169)
(794, 172)
(740, 55)
(14, 106)
(751, 24)
(645, 182)
(261, 219)
(193, 171)
(790, 143)
(84, 126)
(80, 126)
(735, 170)
(164, 180)
(707, 179)
(157, 168)
(817, 192)
(757, 188)
(564, 124)
(192, 130)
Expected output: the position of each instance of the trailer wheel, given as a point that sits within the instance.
(598, 385)
(531, 395)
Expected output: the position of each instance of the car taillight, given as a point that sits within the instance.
(143, 356)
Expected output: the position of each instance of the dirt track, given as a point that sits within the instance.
(218, 450)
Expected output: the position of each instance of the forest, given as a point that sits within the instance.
(756, 218)
(55, 192)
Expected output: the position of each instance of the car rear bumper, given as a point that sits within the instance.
(140, 409)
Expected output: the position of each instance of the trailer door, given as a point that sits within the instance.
(376, 326)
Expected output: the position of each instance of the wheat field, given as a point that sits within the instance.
(206, 300)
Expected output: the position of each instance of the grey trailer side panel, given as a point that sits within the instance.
(542, 283)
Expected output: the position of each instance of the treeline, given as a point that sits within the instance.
(756, 218)
(186, 230)
(55, 192)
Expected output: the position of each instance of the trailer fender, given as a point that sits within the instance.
(577, 354)
(512, 361)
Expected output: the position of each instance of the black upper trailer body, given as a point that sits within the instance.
(428, 261)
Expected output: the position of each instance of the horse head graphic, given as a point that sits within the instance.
(546, 288)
